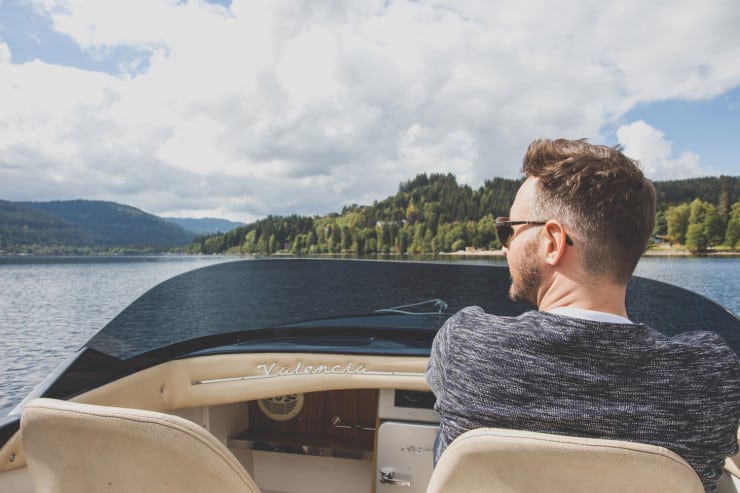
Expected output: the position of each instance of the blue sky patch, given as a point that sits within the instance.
(31, 37)
(705, 126)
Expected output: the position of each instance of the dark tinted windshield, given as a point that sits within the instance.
(255, 294)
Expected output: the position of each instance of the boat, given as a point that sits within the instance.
(309, 372)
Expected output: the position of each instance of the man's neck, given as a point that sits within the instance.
(599, 296)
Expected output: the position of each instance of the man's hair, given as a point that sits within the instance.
(602, 198)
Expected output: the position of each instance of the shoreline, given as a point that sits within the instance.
(662, 252)
(652, 252)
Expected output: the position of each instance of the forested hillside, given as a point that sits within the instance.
(428, 214)
(113, 224)
(714, 190)
(433, 214)
(24, 225)
(84, 226)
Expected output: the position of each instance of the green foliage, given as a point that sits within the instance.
(677, 222)
(710, 189)
(696, 241)
(429, 214)
(433, 214)
(713, 227)
(111, 224)
(661, 224)
(732, 234)
(699, 225)
(697, 211)
(26, 226)
(83, 226)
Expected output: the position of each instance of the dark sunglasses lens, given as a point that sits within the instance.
(504, 233)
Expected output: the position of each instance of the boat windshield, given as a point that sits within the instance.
(262, 293)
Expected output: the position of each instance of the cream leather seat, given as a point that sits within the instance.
(499, 460)
(79, 448)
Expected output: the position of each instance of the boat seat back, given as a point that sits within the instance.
(500, 460)
(72, 447)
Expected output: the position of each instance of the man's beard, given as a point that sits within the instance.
(526, 281)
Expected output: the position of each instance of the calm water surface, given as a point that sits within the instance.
(49, 307)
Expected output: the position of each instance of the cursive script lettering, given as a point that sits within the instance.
(418, 449)
(274, 370)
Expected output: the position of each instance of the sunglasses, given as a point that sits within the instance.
(506, 232)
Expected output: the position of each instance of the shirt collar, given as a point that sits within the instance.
(591, 315)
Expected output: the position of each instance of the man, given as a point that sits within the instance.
(578, 366)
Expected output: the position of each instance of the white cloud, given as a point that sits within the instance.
(5, 55)
(426, 151)
(292, 106)
(649, 146)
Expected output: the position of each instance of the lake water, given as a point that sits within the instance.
(49, 307)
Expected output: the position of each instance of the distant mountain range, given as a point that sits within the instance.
(205, 225)
(89, 225)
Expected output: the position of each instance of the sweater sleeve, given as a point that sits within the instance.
(444, 350)
(437, 366)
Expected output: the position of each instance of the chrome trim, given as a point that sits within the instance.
(268, 376)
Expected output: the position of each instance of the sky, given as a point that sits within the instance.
(239, 109)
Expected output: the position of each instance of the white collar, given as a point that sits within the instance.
(592, 315)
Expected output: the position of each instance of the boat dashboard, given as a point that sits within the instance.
(371, 439)
(297, 422)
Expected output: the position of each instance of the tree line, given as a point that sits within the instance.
(702, 226)
(429, 214)
(432, 214)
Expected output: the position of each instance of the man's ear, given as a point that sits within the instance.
(555, 239)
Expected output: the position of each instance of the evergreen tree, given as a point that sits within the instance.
(732, 235)
(661, 225)
(729, 193)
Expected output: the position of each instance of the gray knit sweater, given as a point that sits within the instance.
(556, 374)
